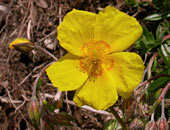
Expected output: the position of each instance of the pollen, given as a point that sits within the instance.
(95, 55)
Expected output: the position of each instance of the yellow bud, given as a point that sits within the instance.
(22, 45)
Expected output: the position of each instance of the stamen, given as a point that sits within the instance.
(94, 54)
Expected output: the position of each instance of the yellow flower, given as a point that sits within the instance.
(95, 65)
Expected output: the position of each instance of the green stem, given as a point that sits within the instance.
(124, 109)
(161, 97)
(37, 79)
(121, 122)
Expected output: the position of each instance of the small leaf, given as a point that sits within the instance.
(159, 83)
(40, 81)
(155, 63)
(162, 4)
(158, 92)
(63, 118)
(158, 16)
(110, 125)
(48, 106)
(51, 107)
(162, 29)
(165, 54)
(147, 42)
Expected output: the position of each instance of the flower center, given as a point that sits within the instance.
(94, 55)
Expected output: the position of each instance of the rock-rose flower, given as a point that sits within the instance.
(95, 66)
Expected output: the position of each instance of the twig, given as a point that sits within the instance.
(18, 107)
(58, 95)
(7, 100)
(152, 117)
(10, 99)
(23, 22)
(59, 12)
(148, 69)
(141, 81)
(19, 85)
(150, 63)
(83, 107)
(68, 107)
(45, 51)
(164, 91)
(47, 36)
(121, 122)
(29, 30)
(5, 22)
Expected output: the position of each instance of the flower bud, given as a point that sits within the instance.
(151, 125)
(22, 45)
(34, 112)
(163, 124)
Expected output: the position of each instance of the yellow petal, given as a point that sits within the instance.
(116, 28)
(99, 94)
(127, 72)
(65, 73)
(76, 29)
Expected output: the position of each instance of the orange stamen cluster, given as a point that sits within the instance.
(94, 55)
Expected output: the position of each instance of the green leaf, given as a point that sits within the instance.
(158, 16)
(162, 29)
(159, 83)
(130, 2)
(165, 54)
(168, 42)
(110, 125)
(162, 4)
(147, 41)
(39, 83)
(63, 118)
(154, 65)
(48, 106)
(168, 112)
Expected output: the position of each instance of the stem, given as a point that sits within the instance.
(45, 51)
(37, 79)
(163, 109)
(121, 122)
(124, 109)
(154, 78)
(161, 97)
(164, 91)
(166, 37)
(152, 117)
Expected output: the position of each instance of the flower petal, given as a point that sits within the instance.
(65, 73)
(99, 94)
(76, 29)
(116, 28)
(127, 71)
